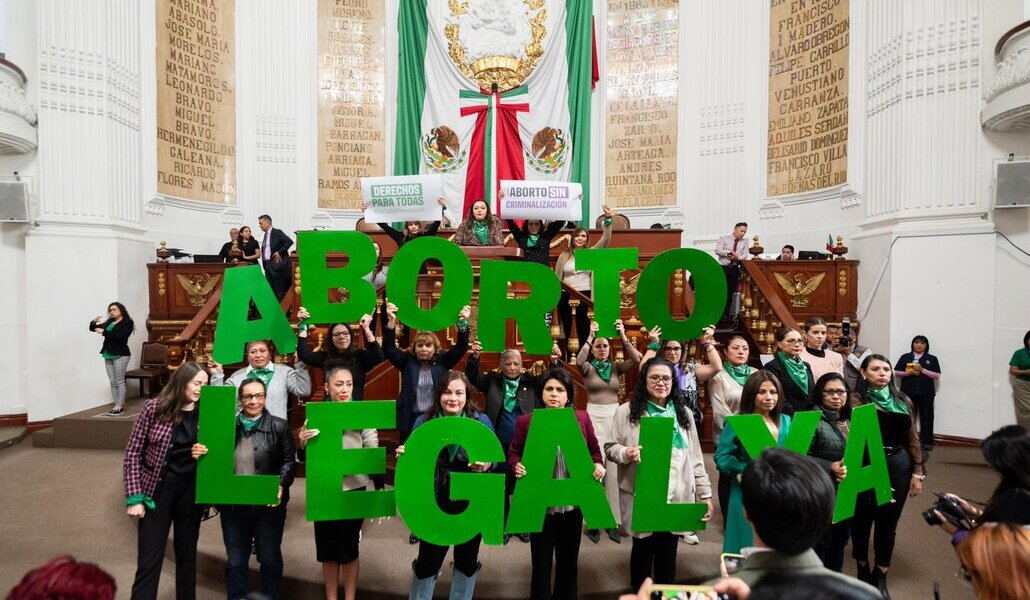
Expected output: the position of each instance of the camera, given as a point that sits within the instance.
(845, 333)
(951, 510)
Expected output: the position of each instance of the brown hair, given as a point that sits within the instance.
(435, 410)
(750, 392)
(425, 336)
(997, 558)
(812, 322)
(172, 396)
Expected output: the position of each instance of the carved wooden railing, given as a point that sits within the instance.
(762, 311)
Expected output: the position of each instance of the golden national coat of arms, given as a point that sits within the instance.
(799, 288)
(496, 41)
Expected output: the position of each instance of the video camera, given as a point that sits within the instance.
(950, 509)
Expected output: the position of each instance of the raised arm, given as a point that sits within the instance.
(298, 380)
(606, 235)
(629, 350)
(476, 377)
(453, 355)
(706, 372)
(396, 236)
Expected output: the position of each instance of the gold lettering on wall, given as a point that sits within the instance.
(808, 95)
(351, 111)
(642, 89)
(196, 100)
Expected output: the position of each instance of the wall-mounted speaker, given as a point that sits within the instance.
(1012, 183)
(14, 202)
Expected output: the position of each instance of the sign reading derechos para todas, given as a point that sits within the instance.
(545, 200)
(405, 198)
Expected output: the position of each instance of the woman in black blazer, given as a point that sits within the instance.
(116, 331)
(794, 374)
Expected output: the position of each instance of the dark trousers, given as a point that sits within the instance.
(657, 551)
(924, 409)
(430, 558)
(884, 518)
(830, 548)
(732, 277)
(264, 525)
(175, 505)
(559, 539)
(724, 495)
(279, 280)
(582, 319)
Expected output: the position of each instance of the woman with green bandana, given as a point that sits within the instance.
(480, 227)
(794, 374)
(264, 446)
(602, 378)
(724, 390)
(453, 400)
(762, 395)
(895, 413)
(656, 395)
(581, 281)
(689, 374)
(115, 330)
(161, 482)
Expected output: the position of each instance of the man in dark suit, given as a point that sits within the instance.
(275, 257)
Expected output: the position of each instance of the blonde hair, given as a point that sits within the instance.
(997, 556)
(423, 337)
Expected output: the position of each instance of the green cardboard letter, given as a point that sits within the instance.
(651, 509)
(216, 481)
(606, 264)
(755, 436)
(653, 292)
(319, 278)
(545, 290)
(233, 331)
(402, 280)
(414, 481)
(329, 462)
(864, 433)
(550, 430)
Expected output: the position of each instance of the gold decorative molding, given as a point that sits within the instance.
(296, 280)
(798, 287)
(507, 72)
(842, 282)
(197, 287)
(160, 284)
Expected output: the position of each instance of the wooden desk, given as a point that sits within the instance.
(813, 288)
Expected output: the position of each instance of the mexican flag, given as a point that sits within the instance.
(829, 242)
(450, 120)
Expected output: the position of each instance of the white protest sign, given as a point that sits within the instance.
(545, 200)
(404, 198)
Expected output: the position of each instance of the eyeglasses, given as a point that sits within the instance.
(659, 379)
(835, 392)
(340, 334)
(249, 397)
(796, 342)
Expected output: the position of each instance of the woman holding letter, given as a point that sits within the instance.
(480, 227)
(688, 373)
(341, 348)
(724, 390)
(452, 399)
(602, 378)
(412, 229)
(831, 438)
(161, 483)
(336, 542)
(792, 373)
(657, 395)
(264, 446)
(762, 395)
(582, 282)
(896, 417)
(560, 537)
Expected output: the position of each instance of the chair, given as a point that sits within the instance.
(153, 367)
(620, 221)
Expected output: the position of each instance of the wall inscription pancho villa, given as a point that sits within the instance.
(351, 112)
(642, 89)
(808, 95)
(196, 100)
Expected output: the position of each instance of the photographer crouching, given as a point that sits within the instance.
(1007, 451)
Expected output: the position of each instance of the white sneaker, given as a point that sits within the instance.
(690, 538)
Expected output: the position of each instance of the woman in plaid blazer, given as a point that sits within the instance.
(161, 482)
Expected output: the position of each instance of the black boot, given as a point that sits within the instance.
(862, 573)
(880, 581)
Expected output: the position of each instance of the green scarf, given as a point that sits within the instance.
(796, 369)
(482, 231)
(532, 240)
(653, 410)
(248, 423)
(452, 449)
(885, 400)
(738, 374)
(511, 387)
(604, 369)
(264, 374)
(108, 355)
(143, 499)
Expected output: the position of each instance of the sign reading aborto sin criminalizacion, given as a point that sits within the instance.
(196, 100)
(402, 198)
(808, 96)
(547, 200)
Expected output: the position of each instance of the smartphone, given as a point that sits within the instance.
(681, 592)
(730, 563)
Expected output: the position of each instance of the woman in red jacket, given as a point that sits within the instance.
(561, 534)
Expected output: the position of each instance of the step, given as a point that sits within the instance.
(44, 438)
(10, 436)
(94, 429)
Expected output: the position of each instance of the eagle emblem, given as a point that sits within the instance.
(549, 151)
(799, 288)
(441, 150)
(198, 286)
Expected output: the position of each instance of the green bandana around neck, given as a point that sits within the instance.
(738, 374)
(886, 400)
(533, 240)
(248, 423)
(604, 369)
(482, 230)
(511, 387)
(679, 440)
(452, 449)
(796, 369)
(265, 374)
